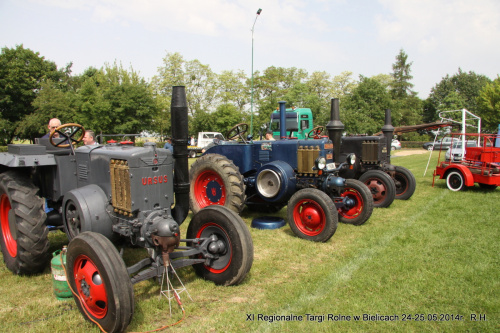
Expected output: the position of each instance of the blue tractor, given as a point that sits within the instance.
(267, 175)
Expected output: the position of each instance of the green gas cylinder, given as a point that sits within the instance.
(61, 288)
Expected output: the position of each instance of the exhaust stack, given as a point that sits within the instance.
(335, 128)
(179, 115)
(282, 120)
(388, 131)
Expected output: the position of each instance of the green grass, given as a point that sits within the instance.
(435, 255)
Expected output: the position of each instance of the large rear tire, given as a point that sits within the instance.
(311, 215)
(215, 180)
(381, 186)
(405, 183)
(98, 276)
(23, 233)
(232, 249)
(360, 200)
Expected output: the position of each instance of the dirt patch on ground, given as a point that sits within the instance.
(406, 152)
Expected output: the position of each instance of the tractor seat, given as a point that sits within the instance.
(50, 149)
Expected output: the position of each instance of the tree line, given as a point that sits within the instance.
(113, 99)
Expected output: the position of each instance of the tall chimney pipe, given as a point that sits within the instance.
(282, 120)
(388, 131)
(335, 128)
(179, 119)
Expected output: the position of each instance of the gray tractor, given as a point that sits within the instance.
(104, 194)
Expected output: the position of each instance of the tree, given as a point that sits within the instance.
(51, 102)
(400, 85)
(406, 106)
(458, 91)
(363, 111)
(272, 86)
(343, 84)
(200, 82)
(22, 73)
(232, 89)
(489, 106)
(114, 100)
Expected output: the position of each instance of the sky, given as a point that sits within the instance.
(360, 36)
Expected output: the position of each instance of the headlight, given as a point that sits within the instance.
(351, 159)
(320, 163)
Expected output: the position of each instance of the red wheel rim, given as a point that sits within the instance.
(209, 189)
(90, 287)
(309, 217)
(377, 188)
(224, 260)
(9, 241)
(354, 211)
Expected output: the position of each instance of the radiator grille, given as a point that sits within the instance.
(306, 156)
(369, 152)
(120, 187)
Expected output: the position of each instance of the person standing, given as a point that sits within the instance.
(168, 145)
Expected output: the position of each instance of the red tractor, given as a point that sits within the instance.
(463, 167)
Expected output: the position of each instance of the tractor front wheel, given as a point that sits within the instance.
(230, 253)
(99, 280)
(215, 180)
(359, 203)
(23, 233)
(405, 183)
(311, 215)
(381, 186)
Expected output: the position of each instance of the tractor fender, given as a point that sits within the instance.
(275, 181)
(90, 202)
(468, 177)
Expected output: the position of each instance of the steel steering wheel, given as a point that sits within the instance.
(315, 133)
(238, 130)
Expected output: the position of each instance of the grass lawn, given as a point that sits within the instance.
(423, 265)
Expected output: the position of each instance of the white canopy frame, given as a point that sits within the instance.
(467, 119)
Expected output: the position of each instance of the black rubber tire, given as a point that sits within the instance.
(363, 208)
(219, 172)
(24, 240)
(192, 154)
(105, 292)
(72, 225)
(312, 215)
(455, 181)
(231, 267)
(405, 183)
(487, 186)
(381, 186)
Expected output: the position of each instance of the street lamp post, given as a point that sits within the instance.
(251, 97)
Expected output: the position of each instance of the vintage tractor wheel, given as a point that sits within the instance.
(405, 183)
(360, 203)
(99, 278)
(232, 247)
(311, 215)
(455, 181)
(72, 223)
(215, 180)
(24, 235)
(381, 186)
